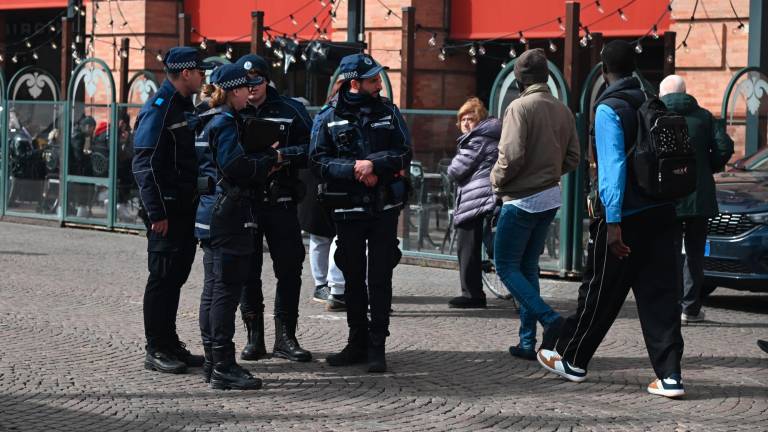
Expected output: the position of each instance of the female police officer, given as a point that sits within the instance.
(358, 149)
(229, 219)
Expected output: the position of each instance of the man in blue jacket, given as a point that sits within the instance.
(360, 148)
(165, 168)
(632, 244)
(277, 219)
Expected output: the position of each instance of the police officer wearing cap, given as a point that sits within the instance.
(359, 150)
(227, 214)
(165, 168)
(278, 219)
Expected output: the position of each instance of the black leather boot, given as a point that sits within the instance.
(163, 360)
(208, 362)
(180, 351)
(355, 352)
(286, 345)
(377, 361)
(254, 349)
(227, 374)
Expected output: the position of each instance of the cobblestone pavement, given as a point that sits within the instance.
(72, 350)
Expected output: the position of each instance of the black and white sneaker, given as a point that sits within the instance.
(671, 387)
(335, 303)
(321, 293)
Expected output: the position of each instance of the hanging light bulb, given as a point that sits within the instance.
(28, 44)
(622, 15)
(73, 46)
(53, 45)
(111, 23)
(512, 52)
(75, 55)
(588, 34)
(78, 61)
(279, 54)
(552, 46)
(124, 25)
(204, 44)
(35, 56)
(432, 40)
(159, 56)
(76, 8)
(481, 50)
(474, 60)
(584, 42)
(638, 48)
(442, 55)
(82, 12)
(670, 59)
(267, 43)
(78, 39)
(124, 53)
(15, 58)
(333, 16)
(560, 24)
(304, 56)
(52, 28)
(472, 50)
(523, 40)
(655, 32)
(389, 14)
(228, 55)
(740, 28)
(293, 20)
(315, 23)
(503, 65)
(2, 58)
(322, 3)
(599, 7)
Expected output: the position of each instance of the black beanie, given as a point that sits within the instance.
(531, 67)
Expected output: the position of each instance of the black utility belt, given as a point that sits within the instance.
(380, 198)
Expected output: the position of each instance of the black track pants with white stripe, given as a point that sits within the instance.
(650, 270)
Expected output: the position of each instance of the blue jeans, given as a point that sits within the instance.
(519, 241)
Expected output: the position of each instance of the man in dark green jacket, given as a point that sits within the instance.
(713, 149)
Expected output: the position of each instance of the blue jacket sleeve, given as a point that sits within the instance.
(149, 158)
(467, 159)
(611, 161)
(322, 154)
(297, 147)
(398, 157)
(233, 162)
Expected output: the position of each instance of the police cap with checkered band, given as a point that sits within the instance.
(359, 66)
(231, 76)
(179, 58)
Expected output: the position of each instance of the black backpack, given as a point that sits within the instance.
(662, 160)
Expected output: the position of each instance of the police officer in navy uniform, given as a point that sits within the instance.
(226, 220)
(278, 220)
(360, 150)
(165, 168)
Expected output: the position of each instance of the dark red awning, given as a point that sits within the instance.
(487, 19)
(32, 4)
(225, 20)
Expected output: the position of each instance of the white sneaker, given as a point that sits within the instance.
(670, 387)
(553, 362)
(685, 318)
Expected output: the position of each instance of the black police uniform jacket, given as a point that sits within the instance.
(228, 217)
(295, 124)
(374, 130)
(165, 166)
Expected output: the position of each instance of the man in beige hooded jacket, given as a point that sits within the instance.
(538, 145)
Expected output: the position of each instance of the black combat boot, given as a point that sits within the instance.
(163, 360)
(286, 345)
(208, 362)
(376, 359)
(355, 352)
(227, 374)
(180, 351)
(254, 349)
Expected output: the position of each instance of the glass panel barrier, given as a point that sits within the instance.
(127, 201)
(34, 143)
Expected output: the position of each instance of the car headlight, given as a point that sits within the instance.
(761, 218)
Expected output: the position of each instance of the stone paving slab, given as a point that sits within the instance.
(72, 352)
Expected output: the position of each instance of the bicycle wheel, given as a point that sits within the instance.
(493, 284)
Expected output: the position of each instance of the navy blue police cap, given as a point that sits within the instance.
(179, 58)
(231, 76)
(254, 64)
(359, 66)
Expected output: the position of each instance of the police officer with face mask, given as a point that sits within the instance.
(277, 219)
(360, 150)
(165, 168)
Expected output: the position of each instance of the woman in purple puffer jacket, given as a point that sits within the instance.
(470, 169)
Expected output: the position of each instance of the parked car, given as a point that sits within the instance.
(736, 253)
